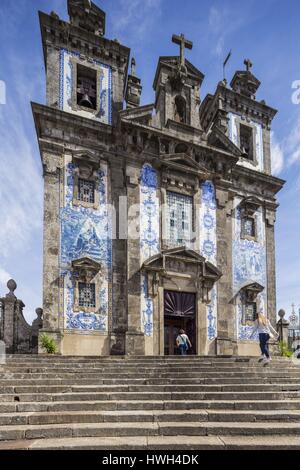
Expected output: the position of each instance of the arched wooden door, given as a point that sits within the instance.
(179, 313)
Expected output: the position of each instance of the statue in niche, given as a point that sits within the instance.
(180, 109)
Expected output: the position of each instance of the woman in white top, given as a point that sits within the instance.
(265, 331)
(183, 342)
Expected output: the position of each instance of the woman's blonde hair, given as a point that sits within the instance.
(262, 319)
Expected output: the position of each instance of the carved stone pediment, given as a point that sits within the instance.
(87, 157)
(182, 263)
(218, 139)
(182, 161)
(249, 205)
(85, 268)
(251, 289)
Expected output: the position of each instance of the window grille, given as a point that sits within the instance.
(86, 190)
(87, 295)
(249, 312)
(179, 218)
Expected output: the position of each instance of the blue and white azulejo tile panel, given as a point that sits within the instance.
(66, 88)
(233, 135)
(81, 320)
(208, 247)
(249, 264)
(86, 232)
(149, 238)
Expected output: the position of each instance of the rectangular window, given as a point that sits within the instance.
(248, 227)
(250, 312)
(86, 190)
(86, 295)
(86, 87)
(246, 141)
(179, 218)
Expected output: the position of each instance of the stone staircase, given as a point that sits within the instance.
(148, 403)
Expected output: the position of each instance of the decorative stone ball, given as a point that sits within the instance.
(39, 312)
(12, 285)
(281, 313)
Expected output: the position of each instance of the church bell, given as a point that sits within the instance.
(85, 101)
(86, 92)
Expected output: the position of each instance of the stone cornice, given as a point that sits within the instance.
(256, 109)
(219, 164)
(272, 182)
(229, 101)
(167, 135)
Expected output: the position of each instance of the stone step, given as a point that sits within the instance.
(56, 389)
(169, 365)
(186, 375)
(162, 428)
(142, 416)
(196, 443)
(126, 405)
(87, 396)
(92, 368)
(129, 359)
(153, 381)
(179, 362)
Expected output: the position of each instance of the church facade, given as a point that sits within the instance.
(156, 217)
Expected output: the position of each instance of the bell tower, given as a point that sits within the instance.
(86, 84)
(177, 86)
(86, 72)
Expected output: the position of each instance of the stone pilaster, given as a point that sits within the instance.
(267, 149)
(51, 306)
(119, 260)
(135, 341)
(226, 314)
(270, 217)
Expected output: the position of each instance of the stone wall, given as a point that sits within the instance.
(19, 337)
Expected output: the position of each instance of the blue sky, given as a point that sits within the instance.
(266, 32)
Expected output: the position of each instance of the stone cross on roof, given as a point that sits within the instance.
(248, 64)
(183, 43)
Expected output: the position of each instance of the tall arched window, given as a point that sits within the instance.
(180, 109)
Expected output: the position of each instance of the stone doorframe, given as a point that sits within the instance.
(183, 270)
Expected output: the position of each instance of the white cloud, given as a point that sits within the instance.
(215, 20)
(20, 184)
(20, 170)
(134, 18)
(4, 277)
(223, 22)
(286, 152)
(293, 143)
(277, 159)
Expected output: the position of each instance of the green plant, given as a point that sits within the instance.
(284, 350)
(48, 344)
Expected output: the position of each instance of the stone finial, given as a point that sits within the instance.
(248, 64)
(134, 87)
(87, 5)
(53, 14)
(39, 313)
(133, 67)
(281, 313)
(11, 285)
